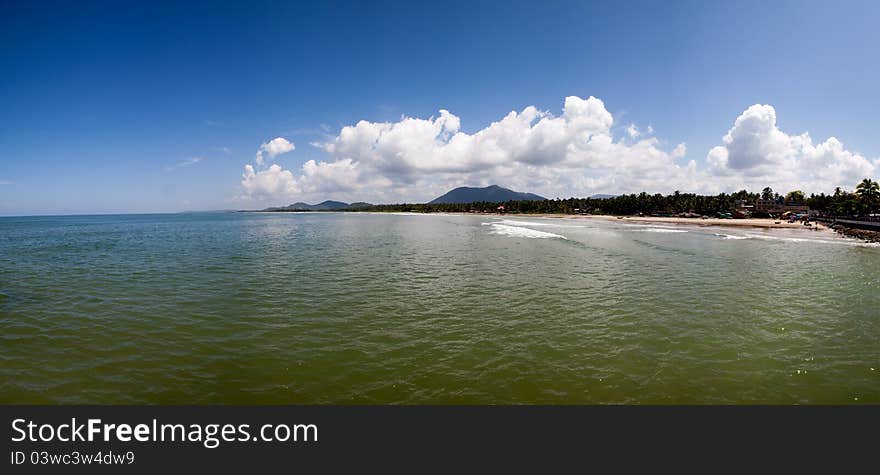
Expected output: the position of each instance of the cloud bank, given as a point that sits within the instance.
(756, 153)
(571, 154)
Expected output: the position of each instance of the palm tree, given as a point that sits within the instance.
(795, 196)
(868, 192)
(767, 193)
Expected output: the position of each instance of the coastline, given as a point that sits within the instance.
(765, 223)
(837, 231)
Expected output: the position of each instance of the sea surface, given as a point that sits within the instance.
(350, 308)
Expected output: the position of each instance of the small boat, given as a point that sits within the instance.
(620, 217)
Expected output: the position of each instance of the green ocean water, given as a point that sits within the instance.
(262, 308)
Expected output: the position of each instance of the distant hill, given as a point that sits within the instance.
(328, 205)
(493, 193)
(600, 196)
(322, 206)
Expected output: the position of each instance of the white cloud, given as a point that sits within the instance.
(633, 131)
(571, 154)
(680, 150)
(271, 182)
(184, 163)
(415, 159)
(756, 153)
(273, 148)
(532, 150)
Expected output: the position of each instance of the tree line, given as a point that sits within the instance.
(865, 200)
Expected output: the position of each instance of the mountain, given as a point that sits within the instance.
(328, 205)
(493, 194)
(600, 196)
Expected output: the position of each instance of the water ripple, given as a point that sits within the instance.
(362, 308)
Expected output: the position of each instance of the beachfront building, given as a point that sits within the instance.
(779, 206)
(744, 206)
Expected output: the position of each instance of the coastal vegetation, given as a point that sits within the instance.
(864, 201)
(869, 194)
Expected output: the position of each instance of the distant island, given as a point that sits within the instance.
(489, 194)
(328, 205)
(460, 195)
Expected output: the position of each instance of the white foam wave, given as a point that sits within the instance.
(768, 237)
(653, 226)
(511, 222)
(777, 238)
(731, 236)
(516, 231)
(661, 230)
(407, 213)
(847, 242)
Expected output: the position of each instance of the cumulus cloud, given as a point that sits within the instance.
(756, 153)
(574, 153)
(413, 159)
(530, 149)
(274, 181)
(273, 148)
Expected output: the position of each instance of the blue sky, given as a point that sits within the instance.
(152, 106)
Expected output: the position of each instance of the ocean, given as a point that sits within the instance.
(358, 308)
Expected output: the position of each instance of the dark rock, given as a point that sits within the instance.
(861, 234)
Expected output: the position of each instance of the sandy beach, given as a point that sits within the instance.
(730, 223)
(736, 223)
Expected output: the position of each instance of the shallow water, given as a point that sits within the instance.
(370, 308)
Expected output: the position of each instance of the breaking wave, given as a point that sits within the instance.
(654, 228)
(767, 237)
(850, 242)
(516, 231)
(730, 236)
(661, 230)
(511, 222)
